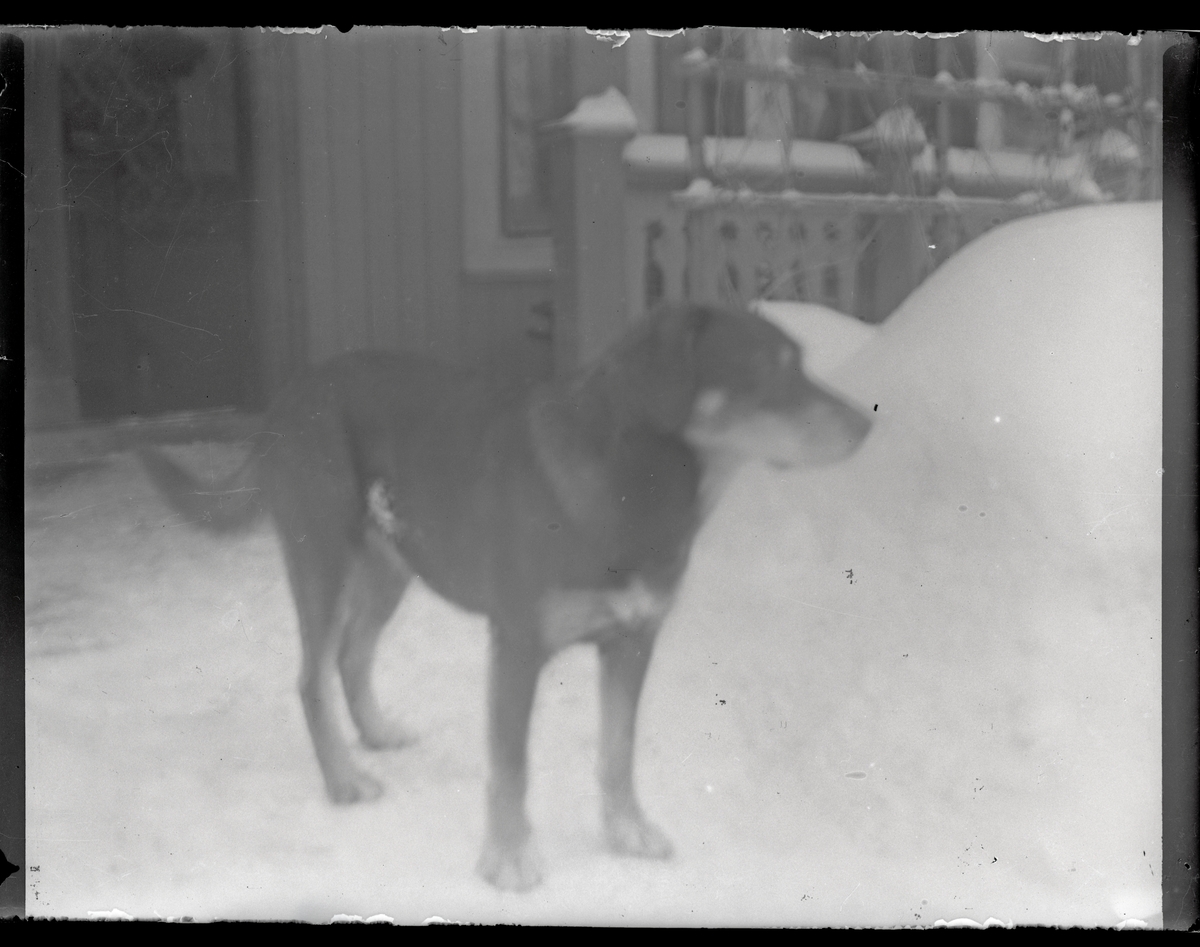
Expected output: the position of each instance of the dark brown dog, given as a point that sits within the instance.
(565, 514)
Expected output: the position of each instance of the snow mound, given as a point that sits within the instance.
(1031, 366)
(927, 678)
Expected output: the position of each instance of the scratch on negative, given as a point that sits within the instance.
(120, 158)
(182, 325)
(834, 610)
(1110, 515)
(67, 515)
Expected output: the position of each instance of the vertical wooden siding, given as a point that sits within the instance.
(440, 54)
(360, 131)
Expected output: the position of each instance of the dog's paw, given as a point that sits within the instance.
(511, 869)
(354, 787)
(631, 834)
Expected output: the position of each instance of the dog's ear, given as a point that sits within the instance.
(671, 367)
(654, 371)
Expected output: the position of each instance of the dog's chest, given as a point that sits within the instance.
(569, 615)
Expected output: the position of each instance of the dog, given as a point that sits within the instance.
(565, 514)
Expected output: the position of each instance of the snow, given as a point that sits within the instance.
(918, 686)
(825, 165)
(972, 172)
(971, 726)
(609, 113)
(827, 337)
(898, 129)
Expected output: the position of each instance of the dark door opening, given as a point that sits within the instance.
(156, 173)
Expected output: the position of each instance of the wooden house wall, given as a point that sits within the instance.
(359, 237)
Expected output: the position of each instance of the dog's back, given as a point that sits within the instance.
(359, 417)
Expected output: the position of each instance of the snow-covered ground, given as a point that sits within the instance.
(920, 685)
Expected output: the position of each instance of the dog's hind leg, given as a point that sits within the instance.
(624, 658)
(318, 576)
(376, 583)
(509, 859)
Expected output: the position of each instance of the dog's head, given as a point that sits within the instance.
(734, 385)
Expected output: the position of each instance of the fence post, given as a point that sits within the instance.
(588, 225)
(989, 122)
(694, 129)
(890, 144)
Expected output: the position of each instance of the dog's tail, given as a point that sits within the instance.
(224, 506)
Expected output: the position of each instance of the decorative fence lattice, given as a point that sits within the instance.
(815, 248)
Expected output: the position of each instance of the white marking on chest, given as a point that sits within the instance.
(568, 616)
(379, 508)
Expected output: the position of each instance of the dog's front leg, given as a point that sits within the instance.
(623, 661)
(510, 860)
